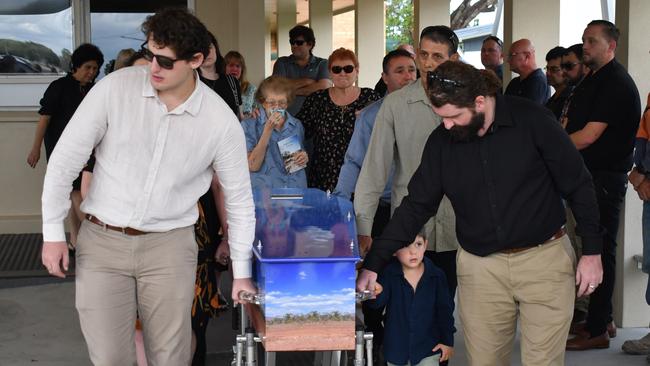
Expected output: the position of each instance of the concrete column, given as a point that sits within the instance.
(220, 17)
(254, 40)
(536, 20)
(286, 21)
(320, 20)
(81, 16)
(429, 12)
(370, 40)
(630, 308)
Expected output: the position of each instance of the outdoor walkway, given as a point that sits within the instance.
(39, 326)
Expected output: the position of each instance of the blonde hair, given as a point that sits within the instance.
(277, 84)
(236, 57)
(122, 58)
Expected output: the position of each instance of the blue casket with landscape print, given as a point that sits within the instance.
(305, 253)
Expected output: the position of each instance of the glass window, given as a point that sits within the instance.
(35, 37)
(115, 25)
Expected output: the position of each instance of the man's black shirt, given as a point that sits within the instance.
(506, 187)
(609, 96)
(556, 102)
(533, 87)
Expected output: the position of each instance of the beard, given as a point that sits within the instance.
(469, 132)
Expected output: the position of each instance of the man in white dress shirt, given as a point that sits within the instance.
(159, 136)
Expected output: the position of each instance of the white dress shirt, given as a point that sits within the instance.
(152, 165)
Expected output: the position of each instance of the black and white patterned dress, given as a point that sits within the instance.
(330, 127)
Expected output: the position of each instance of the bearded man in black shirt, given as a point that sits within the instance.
(505, 164)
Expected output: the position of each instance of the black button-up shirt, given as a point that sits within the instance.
(608, 96)
(506, 187)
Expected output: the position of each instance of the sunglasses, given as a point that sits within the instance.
(347, 68)
(568, 66)
(163, 61)
(296, 42)
(446, 85)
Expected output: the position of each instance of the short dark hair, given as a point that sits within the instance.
(394, 54)
(306, 33)
(220, 62)
(179, 30)
(609, 29)
(576, 49)
(422, 233)
(84, 53)
(555, 52)
(458, 83)
(441, 34)
(496, 39)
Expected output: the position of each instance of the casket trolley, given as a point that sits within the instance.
(304, 266)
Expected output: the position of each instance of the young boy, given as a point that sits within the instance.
(419, 322)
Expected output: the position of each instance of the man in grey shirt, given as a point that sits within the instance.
(403, 124)
(307, 72)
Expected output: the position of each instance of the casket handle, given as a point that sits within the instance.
(250, 297)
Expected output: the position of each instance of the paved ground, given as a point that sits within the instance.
(39, 326)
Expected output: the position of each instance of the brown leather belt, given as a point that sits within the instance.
(124, 230)
(560, 233)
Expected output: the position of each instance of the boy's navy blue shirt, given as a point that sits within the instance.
(416, 321)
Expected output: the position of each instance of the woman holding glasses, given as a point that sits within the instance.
(329, 115)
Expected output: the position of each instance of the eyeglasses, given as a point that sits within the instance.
(433, 80)
(296, 42)
(347, 68)
(276, 103)
(513, 54)
(553, 69)
(164, 61)
(568, 66)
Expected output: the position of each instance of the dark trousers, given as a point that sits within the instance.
(446, 261)
(610, 192)
(373, 318)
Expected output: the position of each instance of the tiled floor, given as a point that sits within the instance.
(39, 326)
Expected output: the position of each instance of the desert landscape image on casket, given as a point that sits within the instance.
(309, 306)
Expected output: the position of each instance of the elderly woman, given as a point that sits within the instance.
(329, 115)
(275, 139)
(236, 67)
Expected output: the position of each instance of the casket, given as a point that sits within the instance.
(305, 252)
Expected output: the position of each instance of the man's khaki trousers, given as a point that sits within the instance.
(536, 286)
(117, 274)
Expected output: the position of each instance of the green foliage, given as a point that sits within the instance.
(32, 51)
(311, 317)
(399, 23)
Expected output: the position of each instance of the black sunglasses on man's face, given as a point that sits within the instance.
(163, 61)
(568, 66)
(296, 42)
(446, 85)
